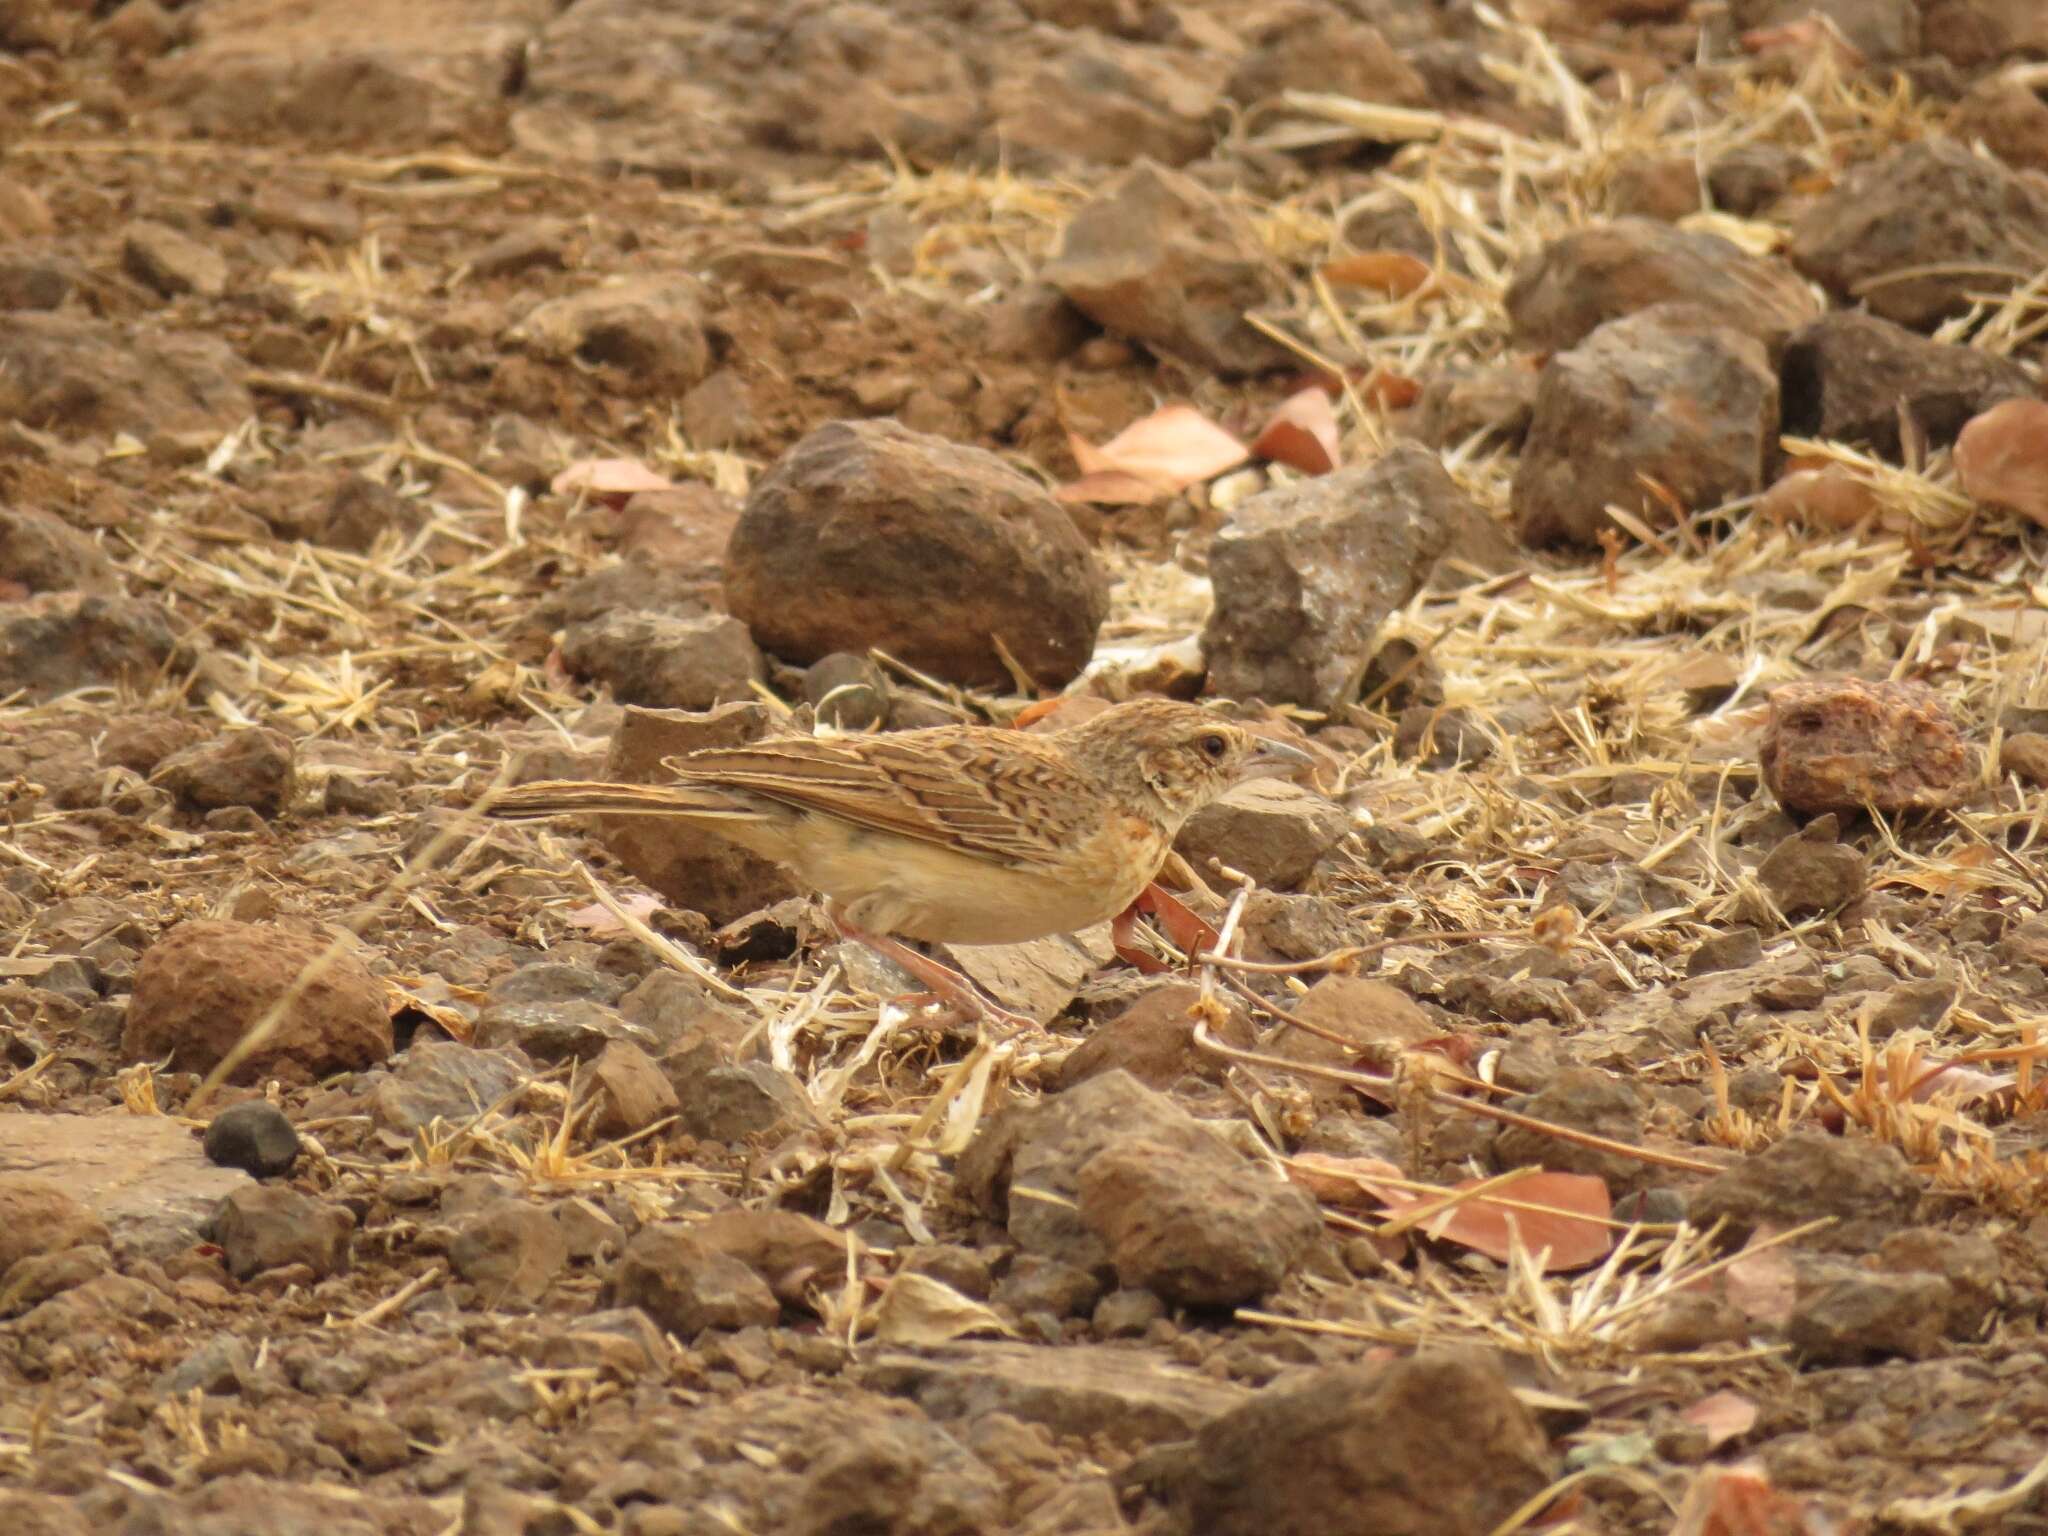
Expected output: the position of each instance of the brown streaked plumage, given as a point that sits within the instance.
(959, 834)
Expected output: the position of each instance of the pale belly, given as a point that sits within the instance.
(921, 891)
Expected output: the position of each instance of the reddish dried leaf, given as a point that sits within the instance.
(1188, 932)
(611, 480)
(1391, 391)
(1829, 497)
(1110, 488)
(1572, 1240)
(1803, 39)
(1724, 1416)
(1574, 1229)
(1123, 938)
(596, 919)
(1396, 272)
(1762, 1286)
(1173, 448)
(1301, 433)
(1961, 1082)
(1348, 1180)
(2001, 458)
(1740, 1501)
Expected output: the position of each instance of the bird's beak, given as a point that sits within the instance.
(1275, 757)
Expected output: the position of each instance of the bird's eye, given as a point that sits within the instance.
(1215, 746)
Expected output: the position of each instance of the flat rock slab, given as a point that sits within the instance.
(1074, 1390)
(144, 1176)
(1039, 977)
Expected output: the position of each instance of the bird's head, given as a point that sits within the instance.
(1172, 758)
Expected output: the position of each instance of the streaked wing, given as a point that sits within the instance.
(1018, 803)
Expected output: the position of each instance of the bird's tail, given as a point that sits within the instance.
(577, 797)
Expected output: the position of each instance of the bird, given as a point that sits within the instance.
(960, 834)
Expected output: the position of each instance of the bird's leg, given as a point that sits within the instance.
(942, 979)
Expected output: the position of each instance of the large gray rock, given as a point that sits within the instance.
(1305, 575)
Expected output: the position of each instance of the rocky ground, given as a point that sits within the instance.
(1609, 437)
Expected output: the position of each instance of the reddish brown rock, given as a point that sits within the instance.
(867, 534)
(2025, 755)
(2011, 120)
(1847, 376)
(37, 1216)
(1673, 392)
(59, 641)
(1103, 100)
(687, 1286)
(1841, 744)
(650, 329)
(634, 1092)
(267, 1226)
(143, 1181)
(67, 374)
(1269, 829)
(172, 262)
(399, 74)
(1309, 47)
(1109, 1173)
(690, 866)
(1971, 33)
(42, 553)
(1153, 1040)
(1197, 1224)
(1582, 280)
(253, 767)
(203, 985)
(1811, 871)
(1161, 259)
(1432, 1445)
(1919, 234)
(666, 662)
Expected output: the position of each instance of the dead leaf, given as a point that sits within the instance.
(1390, 391)
(598, 919)
(1804, 39)
(1572, 1232)
(1301, 433)
(1187, 932)
(612, 481)
(1173, 448)
(916, 1309)
(1762, 1286)
(1740, 1501)
(2001, 457)
(1724, 1416)
(1340, 1180)
(1570, 1219)
(1399, 273)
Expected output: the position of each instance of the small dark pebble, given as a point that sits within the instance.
(254, 1137)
